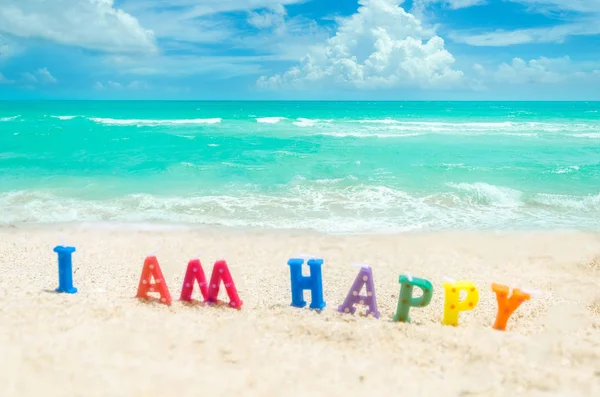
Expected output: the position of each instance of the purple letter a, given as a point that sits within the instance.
(364, 277)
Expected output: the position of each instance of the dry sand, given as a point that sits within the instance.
(103, 342)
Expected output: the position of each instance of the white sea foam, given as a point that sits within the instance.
(64, 117)
(269, 120)
(485, 194)
(566, 170)
(525, 128)
(592, 135)
(143, 122)
(359, 134)
(302, 122)
(325, 205)
(9, 118)
(580, 203)
(375, 121)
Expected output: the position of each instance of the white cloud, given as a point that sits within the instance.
(541, 70)
(532, 5)
(380, 46)
(134, 85)
(501, 38)
(592, 6)
(92, 24)
(585, 22)
(204, 7)
(195, 21)
(456, 4)
(45, 77)
(420, 5)
(39, 76)
(271, 18)
(187, 26)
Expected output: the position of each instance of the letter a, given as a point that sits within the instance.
(507, 305)
(194, 273)
(151, 270)
(221, 273)
(364, 278)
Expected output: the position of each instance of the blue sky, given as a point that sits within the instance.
(300, 49)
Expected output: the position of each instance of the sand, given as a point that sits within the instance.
(103, 342)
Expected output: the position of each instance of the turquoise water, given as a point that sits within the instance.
(343, 167)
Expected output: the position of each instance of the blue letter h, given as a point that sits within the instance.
(314, 283)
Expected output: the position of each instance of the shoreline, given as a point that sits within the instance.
(163, 226)
(106, 342)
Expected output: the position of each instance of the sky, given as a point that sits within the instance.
(300, 49)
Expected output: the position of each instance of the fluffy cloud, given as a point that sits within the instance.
(92, 24)
(452, 4)
(539, 71)
(135, 85)
(271, 18)
(39, 76)
(542, 70)
(380, 46)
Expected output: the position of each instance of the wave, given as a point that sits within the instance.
(566, 170)
(64, 117)
(483, 193)
(564, 201)
(143, 122)
(302, 122)
(504, 127)
(375, 121)
(358, 134)
(330, 205)
(593, 135)
(9, 118)
(269, 120)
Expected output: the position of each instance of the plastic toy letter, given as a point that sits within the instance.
(221, 273)
(452, 303)
(406, 300)
(194, 273)
(151, 270)
(364, 278)
(314, 283)
(507, 305)
(65, 269)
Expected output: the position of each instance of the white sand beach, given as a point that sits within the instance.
(104, 342)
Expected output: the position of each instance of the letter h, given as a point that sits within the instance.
(314, 283)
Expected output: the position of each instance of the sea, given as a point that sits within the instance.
(333, 167)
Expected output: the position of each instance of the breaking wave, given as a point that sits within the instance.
(328, 205)
(9, 118)
(142, 122)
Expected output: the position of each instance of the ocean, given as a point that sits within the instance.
(335, 167)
